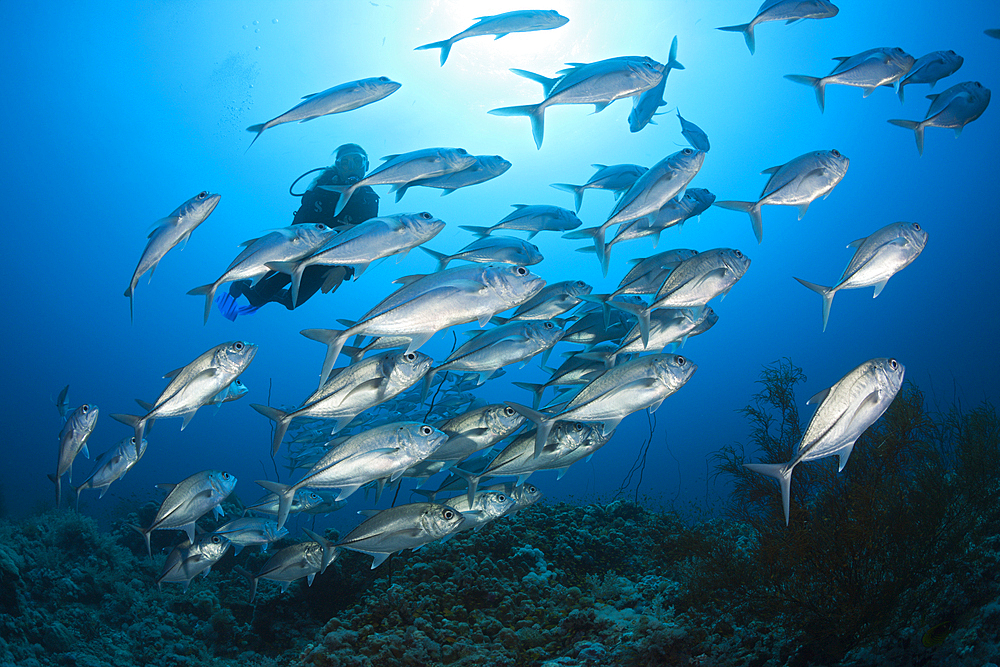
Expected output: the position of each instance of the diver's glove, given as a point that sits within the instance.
(226, 304)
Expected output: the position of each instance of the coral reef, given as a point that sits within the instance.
(892, 561)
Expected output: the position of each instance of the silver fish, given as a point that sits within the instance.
(519, 457)
(235, 391)
(305, 559)
(72, 440)
(694, 283)
(788, 11)
(667, 326)
(694, 134)
(381, 452)
(665, 180)
(403, 527)
(487, 506)
(845, 411)
(345, 97)
(524, 495)
(281, 245)
(511, 343)
(303, 501)
(635, 385)
(552, 301)
(618, 178)
(576, 370)
(523, 20)
(599, 83)
(251, 531)
(502, 249)
(189, 500)
(532, 219)
(485, 168)
(356, 388)
(112, 466)
(362, 244)
(796, 183)
(867, 70)
(878, 257)
(476, 430)
(186, 561)
(195, 385)
(480, 293)
(644, 106)
(931, 68)
(954, 108)
(648, 274)
(170, 231)
(405, 168)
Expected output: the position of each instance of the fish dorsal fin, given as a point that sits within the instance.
(165, 487)
(391, 157)
(772, 170)
(857, 244)
(409, 280)
(368, 513)
(841, 59)
(174, 373)
(306, 97)
(819, 397)
(519, 206)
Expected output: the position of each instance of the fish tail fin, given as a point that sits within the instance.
(345, 192)
(281, 421)
(145, 535)
(899, 91)
(285, 493)
(428, 381)
(918, 131)
(826, 292)
(781, 472)
(441, 258)
(334, 341)
(471, 479)
(672, 62)
(478, 231)
(295, 270)
(747, 30)
(252, 580)
(209, 292)
(535, 112)
(137, 423)
(535, 389)
(131, 311)
(816, 83)
(445, 46)
(577, 191)
(752, 209)
(543, 424)
(259, 129)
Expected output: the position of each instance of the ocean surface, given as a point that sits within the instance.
(116, 113)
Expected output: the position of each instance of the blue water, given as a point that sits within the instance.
(116, 113)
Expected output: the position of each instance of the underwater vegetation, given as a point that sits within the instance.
(892, 561)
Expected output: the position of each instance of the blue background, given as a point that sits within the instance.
(115, 114)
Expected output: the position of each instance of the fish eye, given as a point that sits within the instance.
(501, 497)
(581, 284)
(216, 539)
(681, 360)
(238, 346)
(916, 226)
(409, 356)
(687, 151)
(462, 151)
(383, 78)
(835, 153)
(320, 226)
(225, 475)
(531, 489)
(521, 271)
(509, 411)
(426, 430)
(202, 194)
(133, 439)
(426, 216)
(85, 409)
(893, 364)
(549, 325)
(239, 383)
(449, 514)
(738, 253)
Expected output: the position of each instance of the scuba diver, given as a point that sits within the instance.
(317, 206)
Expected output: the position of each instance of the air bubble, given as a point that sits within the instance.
(256, 22)
(274, 21)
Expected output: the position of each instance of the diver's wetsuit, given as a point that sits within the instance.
(317, 206)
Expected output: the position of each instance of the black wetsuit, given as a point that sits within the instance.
(317, 206)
